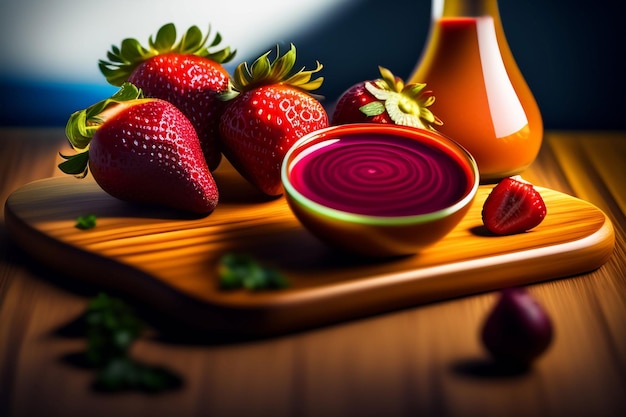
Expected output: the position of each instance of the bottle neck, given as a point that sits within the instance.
(464, 8)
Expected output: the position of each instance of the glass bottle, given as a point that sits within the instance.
(481, 95)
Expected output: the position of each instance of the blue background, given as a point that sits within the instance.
(572, 54)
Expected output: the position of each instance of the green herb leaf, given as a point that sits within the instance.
(86, 222)
(124, 374)
(242, 271)
(111, 329)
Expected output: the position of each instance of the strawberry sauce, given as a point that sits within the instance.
(380, 175)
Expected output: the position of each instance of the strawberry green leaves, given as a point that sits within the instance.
(407, 106)
(387, 100)
(76, 165)
(83, 124)
(263, 71)
(123, 60)
(166, 37)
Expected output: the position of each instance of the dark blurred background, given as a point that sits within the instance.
(572, 54)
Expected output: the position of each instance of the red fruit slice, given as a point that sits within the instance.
(513, 206)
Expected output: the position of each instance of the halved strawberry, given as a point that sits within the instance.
(386, 100)
(268, 109)
(142, 150)
(185, 74)
(513, 206)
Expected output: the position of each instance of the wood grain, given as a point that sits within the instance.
(149, 252)
(424, 360)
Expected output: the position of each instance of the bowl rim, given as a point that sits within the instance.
(397, 130)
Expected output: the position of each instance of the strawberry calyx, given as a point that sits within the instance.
(264, 71)
(123, 60)
(406, 104)
(83, 124)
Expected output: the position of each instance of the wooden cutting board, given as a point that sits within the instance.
(168, 261)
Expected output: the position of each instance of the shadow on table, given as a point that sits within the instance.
(487, 368)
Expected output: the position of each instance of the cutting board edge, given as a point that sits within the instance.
(149, 291)
(323, 307)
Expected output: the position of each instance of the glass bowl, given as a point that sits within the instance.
(379, 189)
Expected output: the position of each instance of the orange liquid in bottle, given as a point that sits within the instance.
(481, 96)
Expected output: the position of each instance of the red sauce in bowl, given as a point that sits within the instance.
(379, 174)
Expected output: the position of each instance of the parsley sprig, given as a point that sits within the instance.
(86, 222)
(236, 270)
(111, 330)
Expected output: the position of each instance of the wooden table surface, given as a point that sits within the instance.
(421, 361)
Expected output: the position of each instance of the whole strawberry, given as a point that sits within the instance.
(142, 150)
(386, 100)
(513, 206)
(185, 74)
(268, 109)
